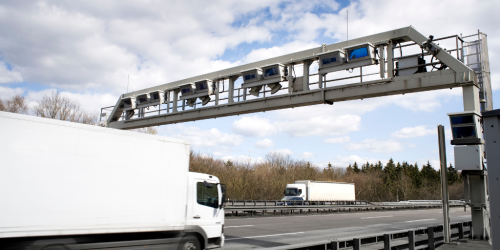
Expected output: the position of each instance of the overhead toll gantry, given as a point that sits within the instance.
(273, 83)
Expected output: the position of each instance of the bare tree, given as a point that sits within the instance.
(57, 106)
(2, 106)
(148, 130)
(17, 104)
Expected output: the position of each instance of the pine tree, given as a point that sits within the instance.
(452, 175)
(349, 169)
(355, 168)
(390, 173)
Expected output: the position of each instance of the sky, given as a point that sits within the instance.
(91, 50)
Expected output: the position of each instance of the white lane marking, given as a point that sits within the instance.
(263, 236)
(240, 226)
(419, 220)
(463, 216)
(376, 217)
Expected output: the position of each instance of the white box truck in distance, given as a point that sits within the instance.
(67, 186)
(320, 191)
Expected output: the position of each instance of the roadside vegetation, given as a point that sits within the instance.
(267, 180)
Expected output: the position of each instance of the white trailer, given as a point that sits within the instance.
(320, 191)
(65, 185)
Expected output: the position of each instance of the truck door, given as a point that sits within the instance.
(205, 210)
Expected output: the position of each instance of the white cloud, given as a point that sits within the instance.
(253, 126)
(266, 143)
(333, 140)
(96, 45)
(411, 132)
(6, 92)
(9, 76)
(375, 145)
(306, 155)
(265, 53)
(325, 125)
(201, 138)
(283, 151)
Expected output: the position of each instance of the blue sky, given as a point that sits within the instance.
(87, 49)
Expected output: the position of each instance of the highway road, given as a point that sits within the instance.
(265, 232)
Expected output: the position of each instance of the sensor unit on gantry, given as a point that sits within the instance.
(200, 89)
(187, 92)
(360, 52)
(350, 57)
(409, 65)
(466, 128)
(331, 58)
(270, 75)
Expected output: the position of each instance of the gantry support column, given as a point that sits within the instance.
(476, 183)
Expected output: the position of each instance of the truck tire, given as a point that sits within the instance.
(55, 247)
(189, 243)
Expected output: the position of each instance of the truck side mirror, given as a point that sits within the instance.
(223, 190)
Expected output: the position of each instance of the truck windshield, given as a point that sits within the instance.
(207, 196)
(291, 192)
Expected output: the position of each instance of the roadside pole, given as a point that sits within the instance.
(444, 184)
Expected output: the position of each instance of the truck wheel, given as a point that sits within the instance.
(55, 247)
(189, 243)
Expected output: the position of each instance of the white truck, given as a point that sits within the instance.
(68, 186)
(319, 191)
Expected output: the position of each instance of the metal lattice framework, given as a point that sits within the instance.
(132, 110)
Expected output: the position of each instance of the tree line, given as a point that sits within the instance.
(267, 180)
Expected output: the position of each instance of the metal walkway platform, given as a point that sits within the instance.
(469, 244)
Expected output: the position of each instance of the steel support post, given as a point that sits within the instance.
(381, 53)
(491, 122)
(334, 245)
(387, 242)
(290, 78)
(176, 100)
(411, 240)
(478, 201)
(217, 86)
(230, 90)
(444, 184)
(167, 100)
(305, 75)
(390, 57)
(430, 238)
(356, 244)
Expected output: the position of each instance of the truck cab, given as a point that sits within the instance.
(205, 211)
(295, 190)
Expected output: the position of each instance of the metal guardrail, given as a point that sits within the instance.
(254, 203)
(271, 209)
(416, 238)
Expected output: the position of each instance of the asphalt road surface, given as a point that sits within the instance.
(266, 232)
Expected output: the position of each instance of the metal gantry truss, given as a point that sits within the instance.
(162, 104)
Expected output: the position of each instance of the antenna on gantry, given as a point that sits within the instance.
(128, 81)
(347, 23)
